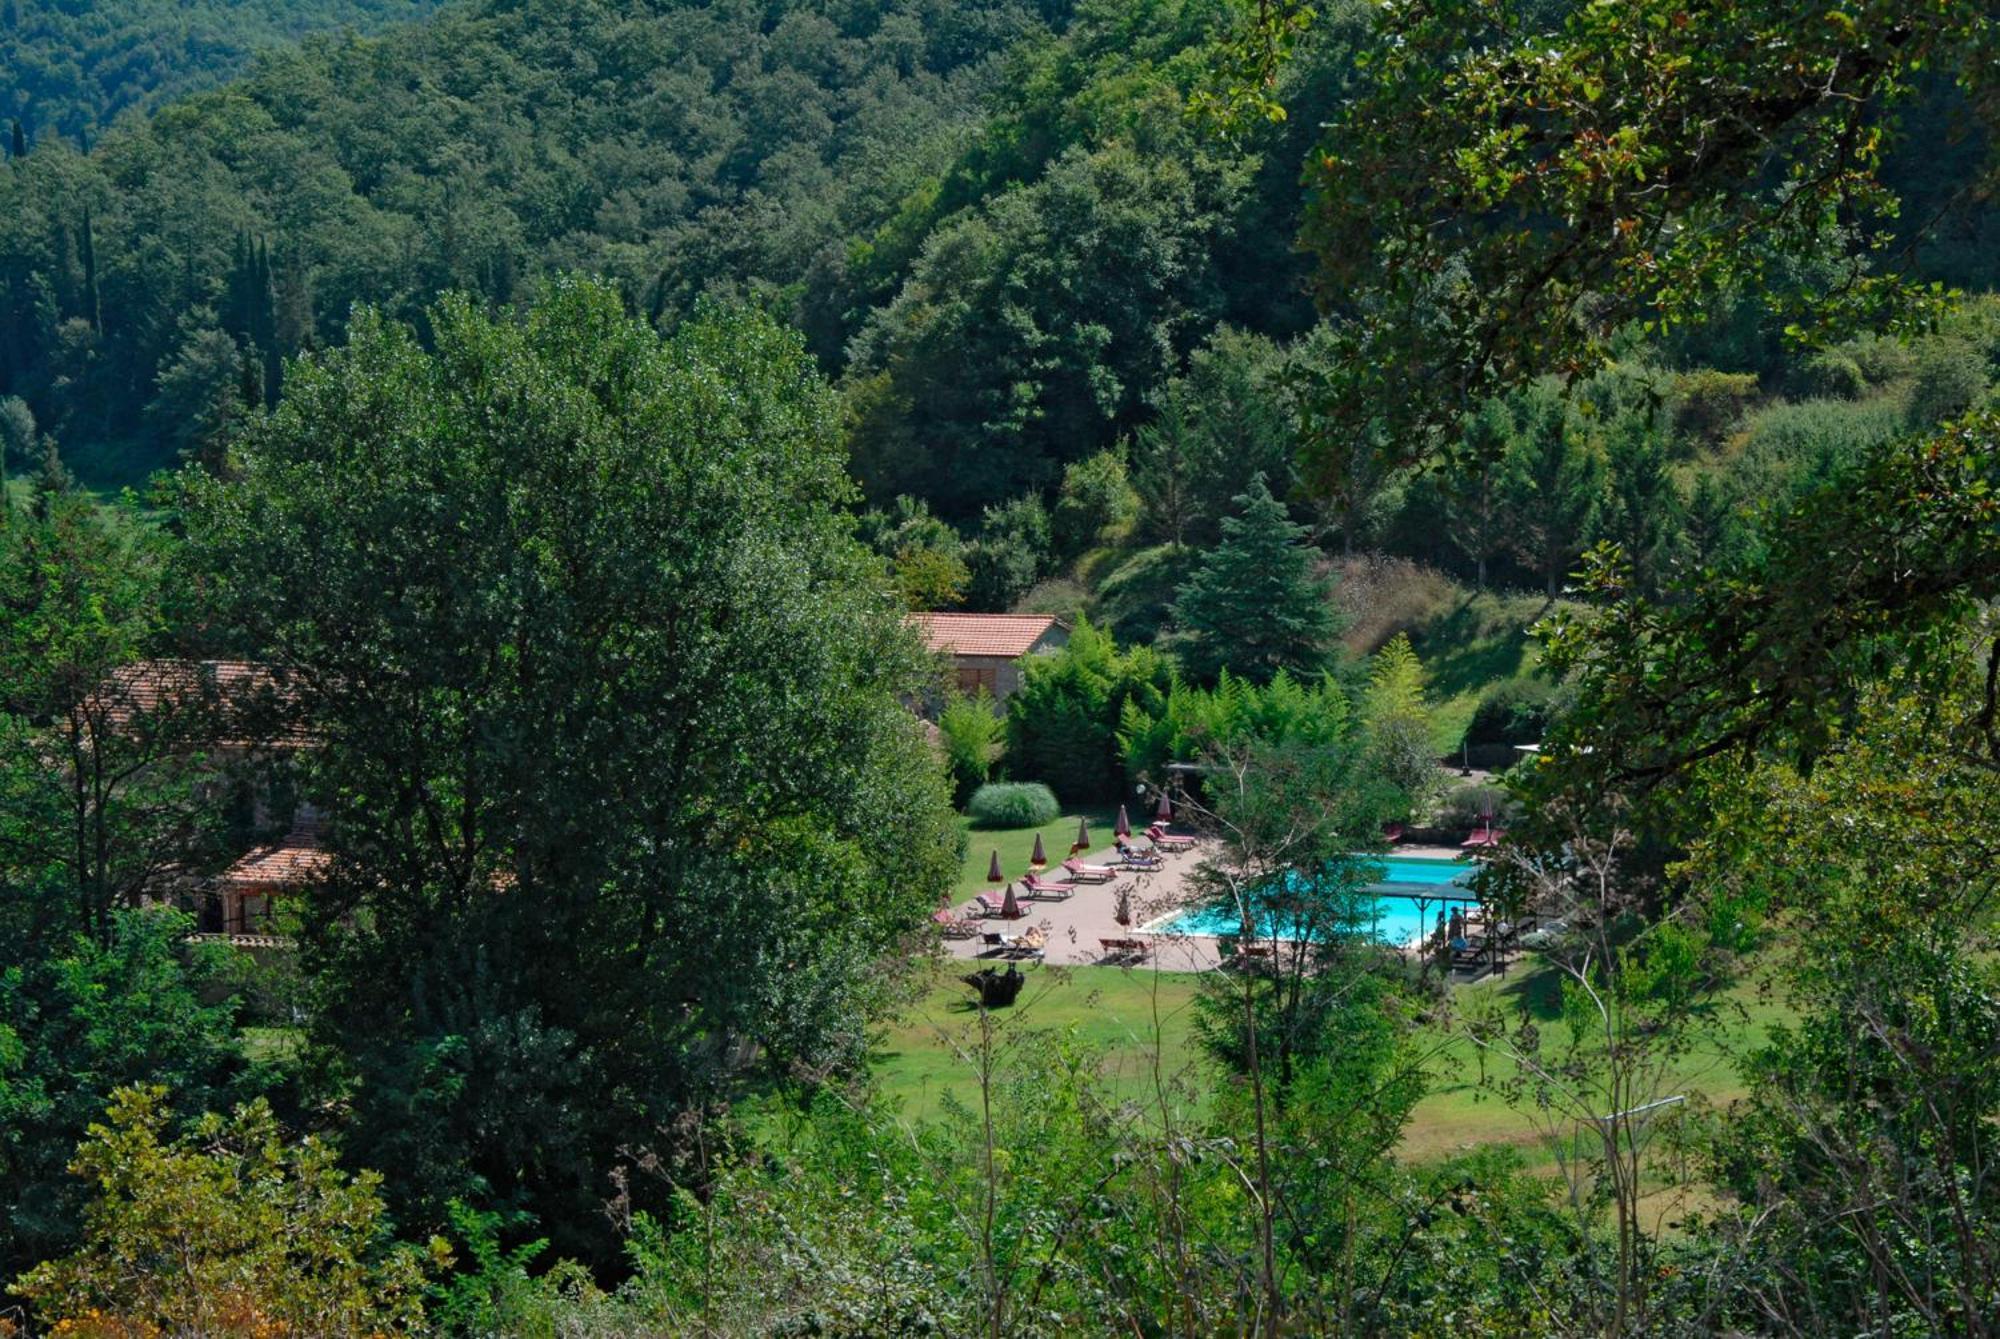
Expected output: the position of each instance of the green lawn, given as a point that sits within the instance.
(925, 1052)
(1015, 845)
(1142, 1020)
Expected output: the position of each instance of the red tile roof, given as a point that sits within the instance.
(298, 859)
(1007, 635)
(238, 686)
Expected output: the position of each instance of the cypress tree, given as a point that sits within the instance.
(1254, 606)
(20, 149)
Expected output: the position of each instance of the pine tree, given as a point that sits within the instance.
(1254, 606)
(1553, 489)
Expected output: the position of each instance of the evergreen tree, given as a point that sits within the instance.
(1254, 606)
(20, 141)
(1552, 488)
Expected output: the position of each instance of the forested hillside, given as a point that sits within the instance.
(531, 825)
(68, 67)
(847, 164)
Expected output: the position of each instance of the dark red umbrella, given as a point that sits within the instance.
(1082, 836)
(1123, 827)
(1040, 859)
(1165, 812)
(1010, 909)
(993, 874)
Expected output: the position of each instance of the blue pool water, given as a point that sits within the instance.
(1397, 918)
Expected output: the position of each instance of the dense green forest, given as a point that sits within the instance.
(541, 421)
(69, 68)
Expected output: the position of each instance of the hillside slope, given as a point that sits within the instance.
(68, 68)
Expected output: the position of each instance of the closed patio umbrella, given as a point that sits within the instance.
(1123, 828)
(1040, 859)
(1010, 907)
(993, 874)
(1123, 915)
(1082, 836)
(1165, 812)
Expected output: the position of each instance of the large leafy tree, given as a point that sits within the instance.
(605, 696)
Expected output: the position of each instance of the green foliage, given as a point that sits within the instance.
(1063, 722)
(1013, 552)
(611, 742)
(1220, 424)
(1095, 501)
(1951, 377)
(1396, 708)
(78, 1020)
(236, 1229)
(1708, 403)
(974, 736)
(1194, 722)
(1013, 804)
(1136, 599)
(1255, 606)
(679, 151)
(72, 69)
(1437, 186)
(1513, 711)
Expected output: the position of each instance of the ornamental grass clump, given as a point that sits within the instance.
(1013, 804)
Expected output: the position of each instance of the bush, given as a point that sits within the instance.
(1013, 804)
(1011, 554)
(1468, 805)
(1951, 377)
(1063, 722)
(971, 734)
(1516, 711)
(1096, 500)
(1831, 374)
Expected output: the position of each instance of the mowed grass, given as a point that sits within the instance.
(1142, 1022)
(1016, 845)
(1460, 1110)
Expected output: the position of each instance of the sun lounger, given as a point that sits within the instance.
(1047, 890)
(955, 926)
(1134, 858)
(995, 904)
(1125, 950)
(1168, 841)
(1082, 873)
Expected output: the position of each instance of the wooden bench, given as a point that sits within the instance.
(1125, 950)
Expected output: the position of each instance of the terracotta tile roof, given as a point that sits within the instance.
(983, 634)
(240, 686)
(298, 859)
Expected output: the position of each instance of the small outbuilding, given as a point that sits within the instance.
(987, 650)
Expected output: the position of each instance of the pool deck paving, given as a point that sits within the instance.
(1075, 927)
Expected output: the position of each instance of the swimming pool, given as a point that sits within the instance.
(1399, 917)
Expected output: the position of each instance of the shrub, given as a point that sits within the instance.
(1831, 374)
(1062, 724)
(1466, 806)
(1951, 377)
(1515, 711)
(1709, 403)
(1096, 499)
(1011, 554)
(972, 740)
(1013, 804)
